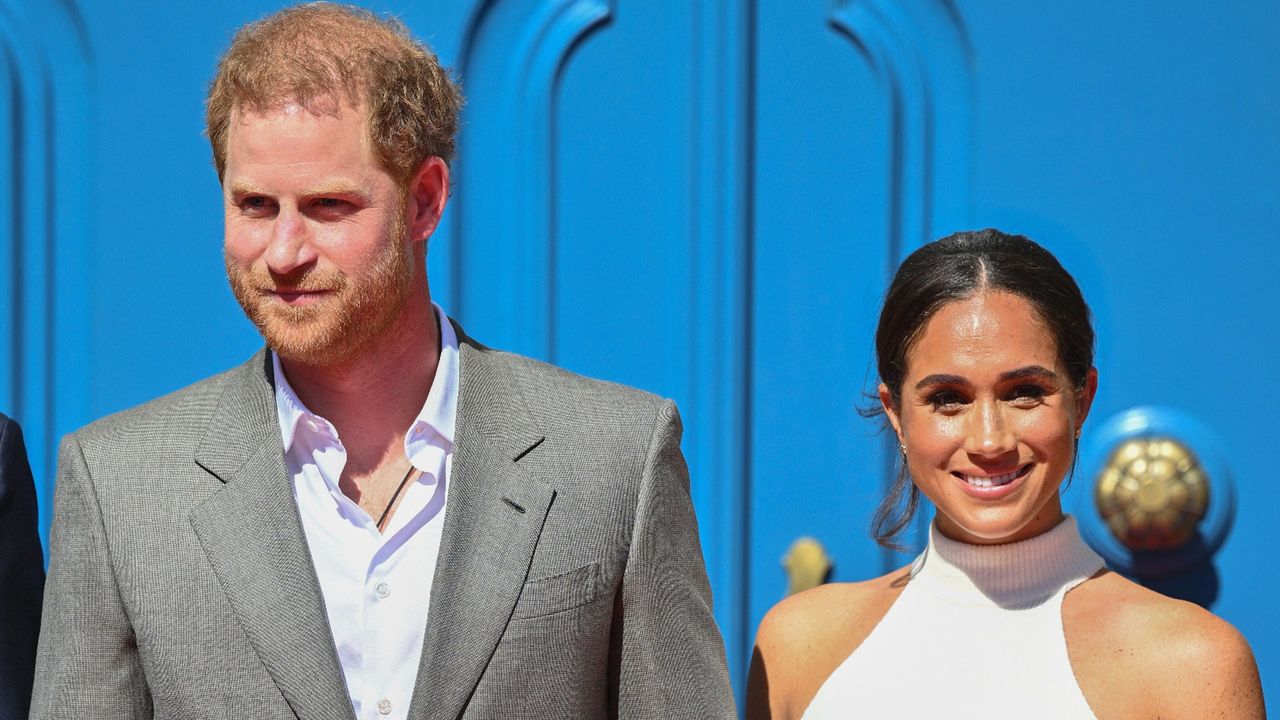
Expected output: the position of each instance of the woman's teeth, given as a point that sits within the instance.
(992, 481)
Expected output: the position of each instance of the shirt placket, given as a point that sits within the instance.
(362, 553)
(378, 607)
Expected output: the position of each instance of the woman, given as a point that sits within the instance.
(985, 354)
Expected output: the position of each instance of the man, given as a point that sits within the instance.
(378, 517)
(21, 573)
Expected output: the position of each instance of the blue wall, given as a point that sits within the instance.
(704, 200)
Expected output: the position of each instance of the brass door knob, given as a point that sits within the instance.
(1152, 493)
(807, 565)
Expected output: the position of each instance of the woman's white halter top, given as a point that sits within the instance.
(977, 633)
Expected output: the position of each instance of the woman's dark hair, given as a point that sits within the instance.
(958, 267)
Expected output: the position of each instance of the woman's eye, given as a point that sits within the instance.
(946, 400)
(1027, 394)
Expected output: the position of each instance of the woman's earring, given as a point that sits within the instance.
(903, 448)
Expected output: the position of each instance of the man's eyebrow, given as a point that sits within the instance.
(1029, 371)
(238, 187)
(338, 188)
(342, 189)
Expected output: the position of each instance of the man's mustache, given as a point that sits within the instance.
(310, 281)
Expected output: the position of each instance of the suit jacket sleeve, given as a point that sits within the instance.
(87, 664)
(21, 573)
(668, 654)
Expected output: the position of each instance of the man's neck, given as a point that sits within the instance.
(373, 399)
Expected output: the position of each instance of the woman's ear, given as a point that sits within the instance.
(1084, 399)
(890, 406)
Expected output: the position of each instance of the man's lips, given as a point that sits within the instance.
(296, 296)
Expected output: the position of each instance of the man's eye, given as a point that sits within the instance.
(333, 205)
(331, 208)
(255, 204)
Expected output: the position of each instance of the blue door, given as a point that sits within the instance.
(1138, 141)
(706, 200)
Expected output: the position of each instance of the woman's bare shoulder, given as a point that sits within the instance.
(806, 636)
(1131, 644)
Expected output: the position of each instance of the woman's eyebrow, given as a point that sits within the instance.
(1029, 372)
(941, 379)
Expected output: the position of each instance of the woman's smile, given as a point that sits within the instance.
(987, 486)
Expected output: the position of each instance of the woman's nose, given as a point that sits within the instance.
(988, 432)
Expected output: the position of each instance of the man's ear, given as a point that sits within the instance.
(891, 411)
(428, 193)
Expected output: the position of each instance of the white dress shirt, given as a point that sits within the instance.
(376, 586)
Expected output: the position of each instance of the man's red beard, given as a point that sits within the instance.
(350, 315)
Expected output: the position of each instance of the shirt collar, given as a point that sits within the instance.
(289, 408)
(438, 413)
(440, 410)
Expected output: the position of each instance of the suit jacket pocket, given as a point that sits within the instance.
(557, 593)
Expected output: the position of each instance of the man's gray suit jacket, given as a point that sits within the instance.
(570, 581)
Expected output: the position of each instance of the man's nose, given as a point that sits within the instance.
(290, 244)
(988, 432)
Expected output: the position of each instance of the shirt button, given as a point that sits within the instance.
(384, 706)
(383, 590)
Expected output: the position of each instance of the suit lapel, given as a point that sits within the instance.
(254, 540)
(492, 522)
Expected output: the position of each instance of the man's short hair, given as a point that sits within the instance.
(323, 55)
